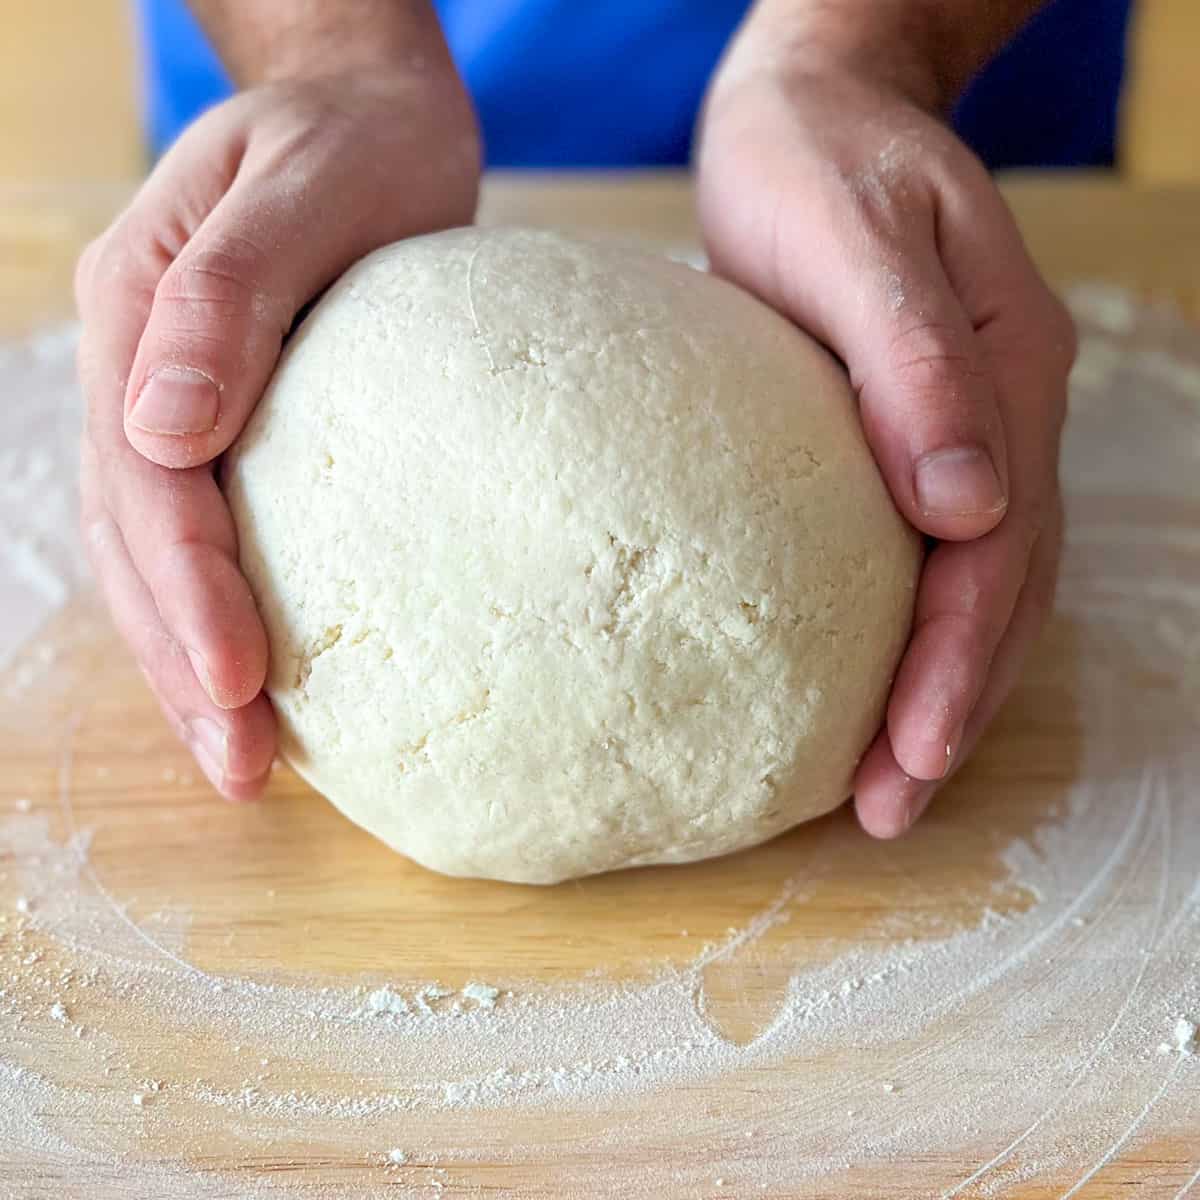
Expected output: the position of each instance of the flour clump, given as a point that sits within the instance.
(571, 558)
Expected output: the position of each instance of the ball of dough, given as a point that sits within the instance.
(571, 558)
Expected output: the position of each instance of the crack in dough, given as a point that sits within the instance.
(304, 663)
(604, 574)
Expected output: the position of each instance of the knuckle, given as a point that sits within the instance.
(115, 258)
(121, 260)
(885, 200)
(973, 633)
(958, 168)
(1035, 513)
(314, 123)
(1062, 337)
(120, 256)
(888, 184)
(1055, 348)
(1052, 531)
(1042, 330)
(85, 265)
(878, 212)
(215, 280)
(933, 366)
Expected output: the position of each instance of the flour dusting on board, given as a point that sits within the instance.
(411, 1085)
(40, 564)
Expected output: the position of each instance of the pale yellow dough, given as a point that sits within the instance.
(571, 558)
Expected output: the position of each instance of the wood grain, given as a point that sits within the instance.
(1078, 226)
(288, 890)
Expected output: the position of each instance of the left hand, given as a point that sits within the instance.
(185, 302)
(835, 196)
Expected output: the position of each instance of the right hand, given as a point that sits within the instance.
(185, 303)
(827, 187)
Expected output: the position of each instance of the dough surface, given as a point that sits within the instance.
(571, 558)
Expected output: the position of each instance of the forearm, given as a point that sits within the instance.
(930, 48)
(261, 40)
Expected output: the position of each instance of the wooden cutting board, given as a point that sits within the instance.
(165, 959)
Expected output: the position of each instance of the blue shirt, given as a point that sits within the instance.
(570, 83)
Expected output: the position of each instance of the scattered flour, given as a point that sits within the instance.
(427, 1000)
(384, 1000)
(1111, 310)
(1184, 1035)
(40, 561)
(939, 1038)
(482, 993)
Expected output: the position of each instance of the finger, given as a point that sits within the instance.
(1029, 616)
(872, 287)
(969, 590)
(117, 273)
(964, 603)
(224, 305)
(180, 538)
(176, 526)
(234, 749)
(994, 276)
(928, 403)
(887, 799)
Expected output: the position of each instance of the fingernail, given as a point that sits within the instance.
(176, 401)
(207, 740)
(212, 769)
(201, 669)
(914, 806)
(959, 482)
(952, 746)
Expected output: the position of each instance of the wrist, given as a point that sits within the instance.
(927, 50)
(265, 41)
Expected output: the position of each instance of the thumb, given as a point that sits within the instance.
(226, 302)
(872, 287)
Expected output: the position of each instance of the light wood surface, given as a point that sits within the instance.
(1078, 226)
(68, 109)
(289, 891)
(1159, 143)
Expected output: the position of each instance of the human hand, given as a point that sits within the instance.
(185, 303)
(829, 189)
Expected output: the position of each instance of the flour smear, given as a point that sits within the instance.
(1041, 1045)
